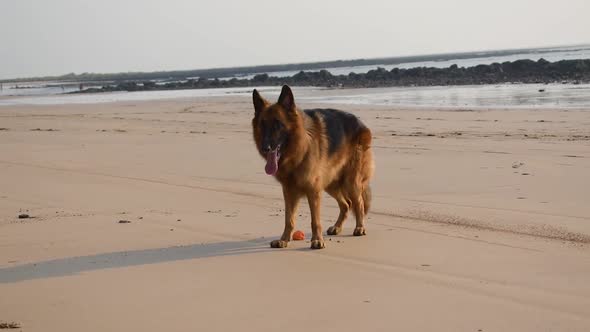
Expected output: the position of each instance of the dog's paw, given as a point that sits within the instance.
(333, 230)
(278, 244)
(359, 231)
(317, 244)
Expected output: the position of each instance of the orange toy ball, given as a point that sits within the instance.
(298, 236)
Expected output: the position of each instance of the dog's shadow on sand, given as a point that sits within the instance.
(74, 265)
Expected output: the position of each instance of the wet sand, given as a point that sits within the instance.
(480, 221)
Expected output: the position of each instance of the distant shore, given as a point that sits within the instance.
(520, 71)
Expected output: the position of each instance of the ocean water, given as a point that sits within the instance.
(514, 96)
(39, 88)
(122, 96)
(561, 96)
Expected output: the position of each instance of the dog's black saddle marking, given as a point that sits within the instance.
(339, 125)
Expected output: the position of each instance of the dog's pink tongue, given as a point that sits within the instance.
(272, 162)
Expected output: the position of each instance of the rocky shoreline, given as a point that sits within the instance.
(520, 71)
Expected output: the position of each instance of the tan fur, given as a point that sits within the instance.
(307, 169)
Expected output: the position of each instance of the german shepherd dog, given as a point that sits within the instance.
(312, 151)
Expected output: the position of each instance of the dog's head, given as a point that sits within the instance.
(273, 125)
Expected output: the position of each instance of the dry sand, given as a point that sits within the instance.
(480, 222)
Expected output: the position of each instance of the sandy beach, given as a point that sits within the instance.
(480, 222)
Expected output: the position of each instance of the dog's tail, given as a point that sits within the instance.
(367, 198)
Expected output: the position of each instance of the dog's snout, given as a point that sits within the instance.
(266, 148)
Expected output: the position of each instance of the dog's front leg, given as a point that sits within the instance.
(317, 240)
(291, 202)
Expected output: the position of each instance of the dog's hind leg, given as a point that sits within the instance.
(361, 191)
(344, 206)
(358, 206)
(358, 194)
(317, 240)
(291, 204)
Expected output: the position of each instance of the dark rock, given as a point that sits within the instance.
(10, 325)
(149, 85)
(260, 78)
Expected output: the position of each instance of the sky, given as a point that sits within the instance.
(56, 37)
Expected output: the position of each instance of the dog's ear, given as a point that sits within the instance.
(259, 102)
(286, 98)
